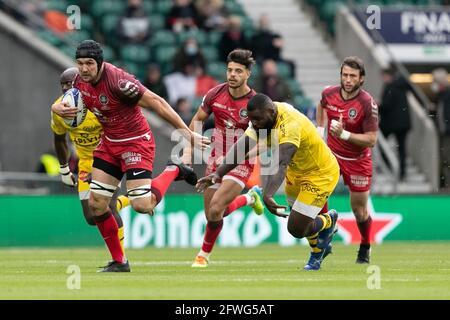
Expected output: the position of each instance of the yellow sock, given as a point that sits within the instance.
(312, 240)
(122, 202)
(120, 233)
(326, 220)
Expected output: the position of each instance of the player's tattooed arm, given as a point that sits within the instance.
(320, 116)
(273, 183)
(152, 101)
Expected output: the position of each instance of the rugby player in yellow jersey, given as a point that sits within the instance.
(305, 161)
(85, 138)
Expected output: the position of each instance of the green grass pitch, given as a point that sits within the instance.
(408, 270)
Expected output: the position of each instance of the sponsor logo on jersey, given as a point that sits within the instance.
(220, 106)
(352, 113)
(243, 113)
(333, 108)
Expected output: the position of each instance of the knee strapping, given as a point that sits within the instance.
(140, 192)
(103, 189)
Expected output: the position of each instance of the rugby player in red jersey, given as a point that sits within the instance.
(351, 116)
(127, 145)
(228, 102)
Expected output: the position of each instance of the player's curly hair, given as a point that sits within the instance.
(354, 63)
(241, 56)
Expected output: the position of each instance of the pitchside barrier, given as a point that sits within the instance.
(179, 222)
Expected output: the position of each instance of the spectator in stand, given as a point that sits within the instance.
(271, 84)
(153, 81)
(204, 82)
(181, 84)
(212, 15)
(267, 44)
(394, 112)
(233, 38)
(182, 16)
(134, 24)
(184, 108)
(441, 88)
(189, 54)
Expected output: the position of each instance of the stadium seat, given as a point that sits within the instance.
(135, 53)
(217, 70)
(162, 38)
(109, 24)
(294, 87)
(199, 35)
(100, 8)
(59, 5)
(284, 70)
(108, 53)
(162, 7)
(210, 53)
(74, 37)
(68, 51)
(50, 37)
(214, 37)
(164, 54)
(86, 23)
(157, 21)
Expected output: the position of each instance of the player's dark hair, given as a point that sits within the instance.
(259, 102)
(241, 56)
(90, 49)
(354, 63)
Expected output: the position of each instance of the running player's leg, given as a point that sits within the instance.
(224, 195)
(105, 178)
(116, 204)
(84, 190)
(359, 204)
(305, 220)
(201, 260)
(357, 176)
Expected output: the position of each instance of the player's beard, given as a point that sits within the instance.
(353, 90)
(236, 85)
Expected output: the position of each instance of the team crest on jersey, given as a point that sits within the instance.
(352, 113)
(243, 113)
(103, 99)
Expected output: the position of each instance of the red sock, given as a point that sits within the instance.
(162, 182)
(109, 230)
(325, 208)
(364, 229)
(212, 232)
(237, 203)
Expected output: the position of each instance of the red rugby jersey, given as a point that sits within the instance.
(359, 115)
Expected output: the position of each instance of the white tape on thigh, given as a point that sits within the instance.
(84, 195)
(140, 192)
(103, 189)
(306, 209)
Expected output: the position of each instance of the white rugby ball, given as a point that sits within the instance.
(73, 98)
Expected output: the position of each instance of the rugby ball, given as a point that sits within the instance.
(73, 98)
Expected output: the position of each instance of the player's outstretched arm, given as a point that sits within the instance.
(237, 154)
(195, 125)
(62, 152)
(152, 101)
(321, 120)
(273, 183)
